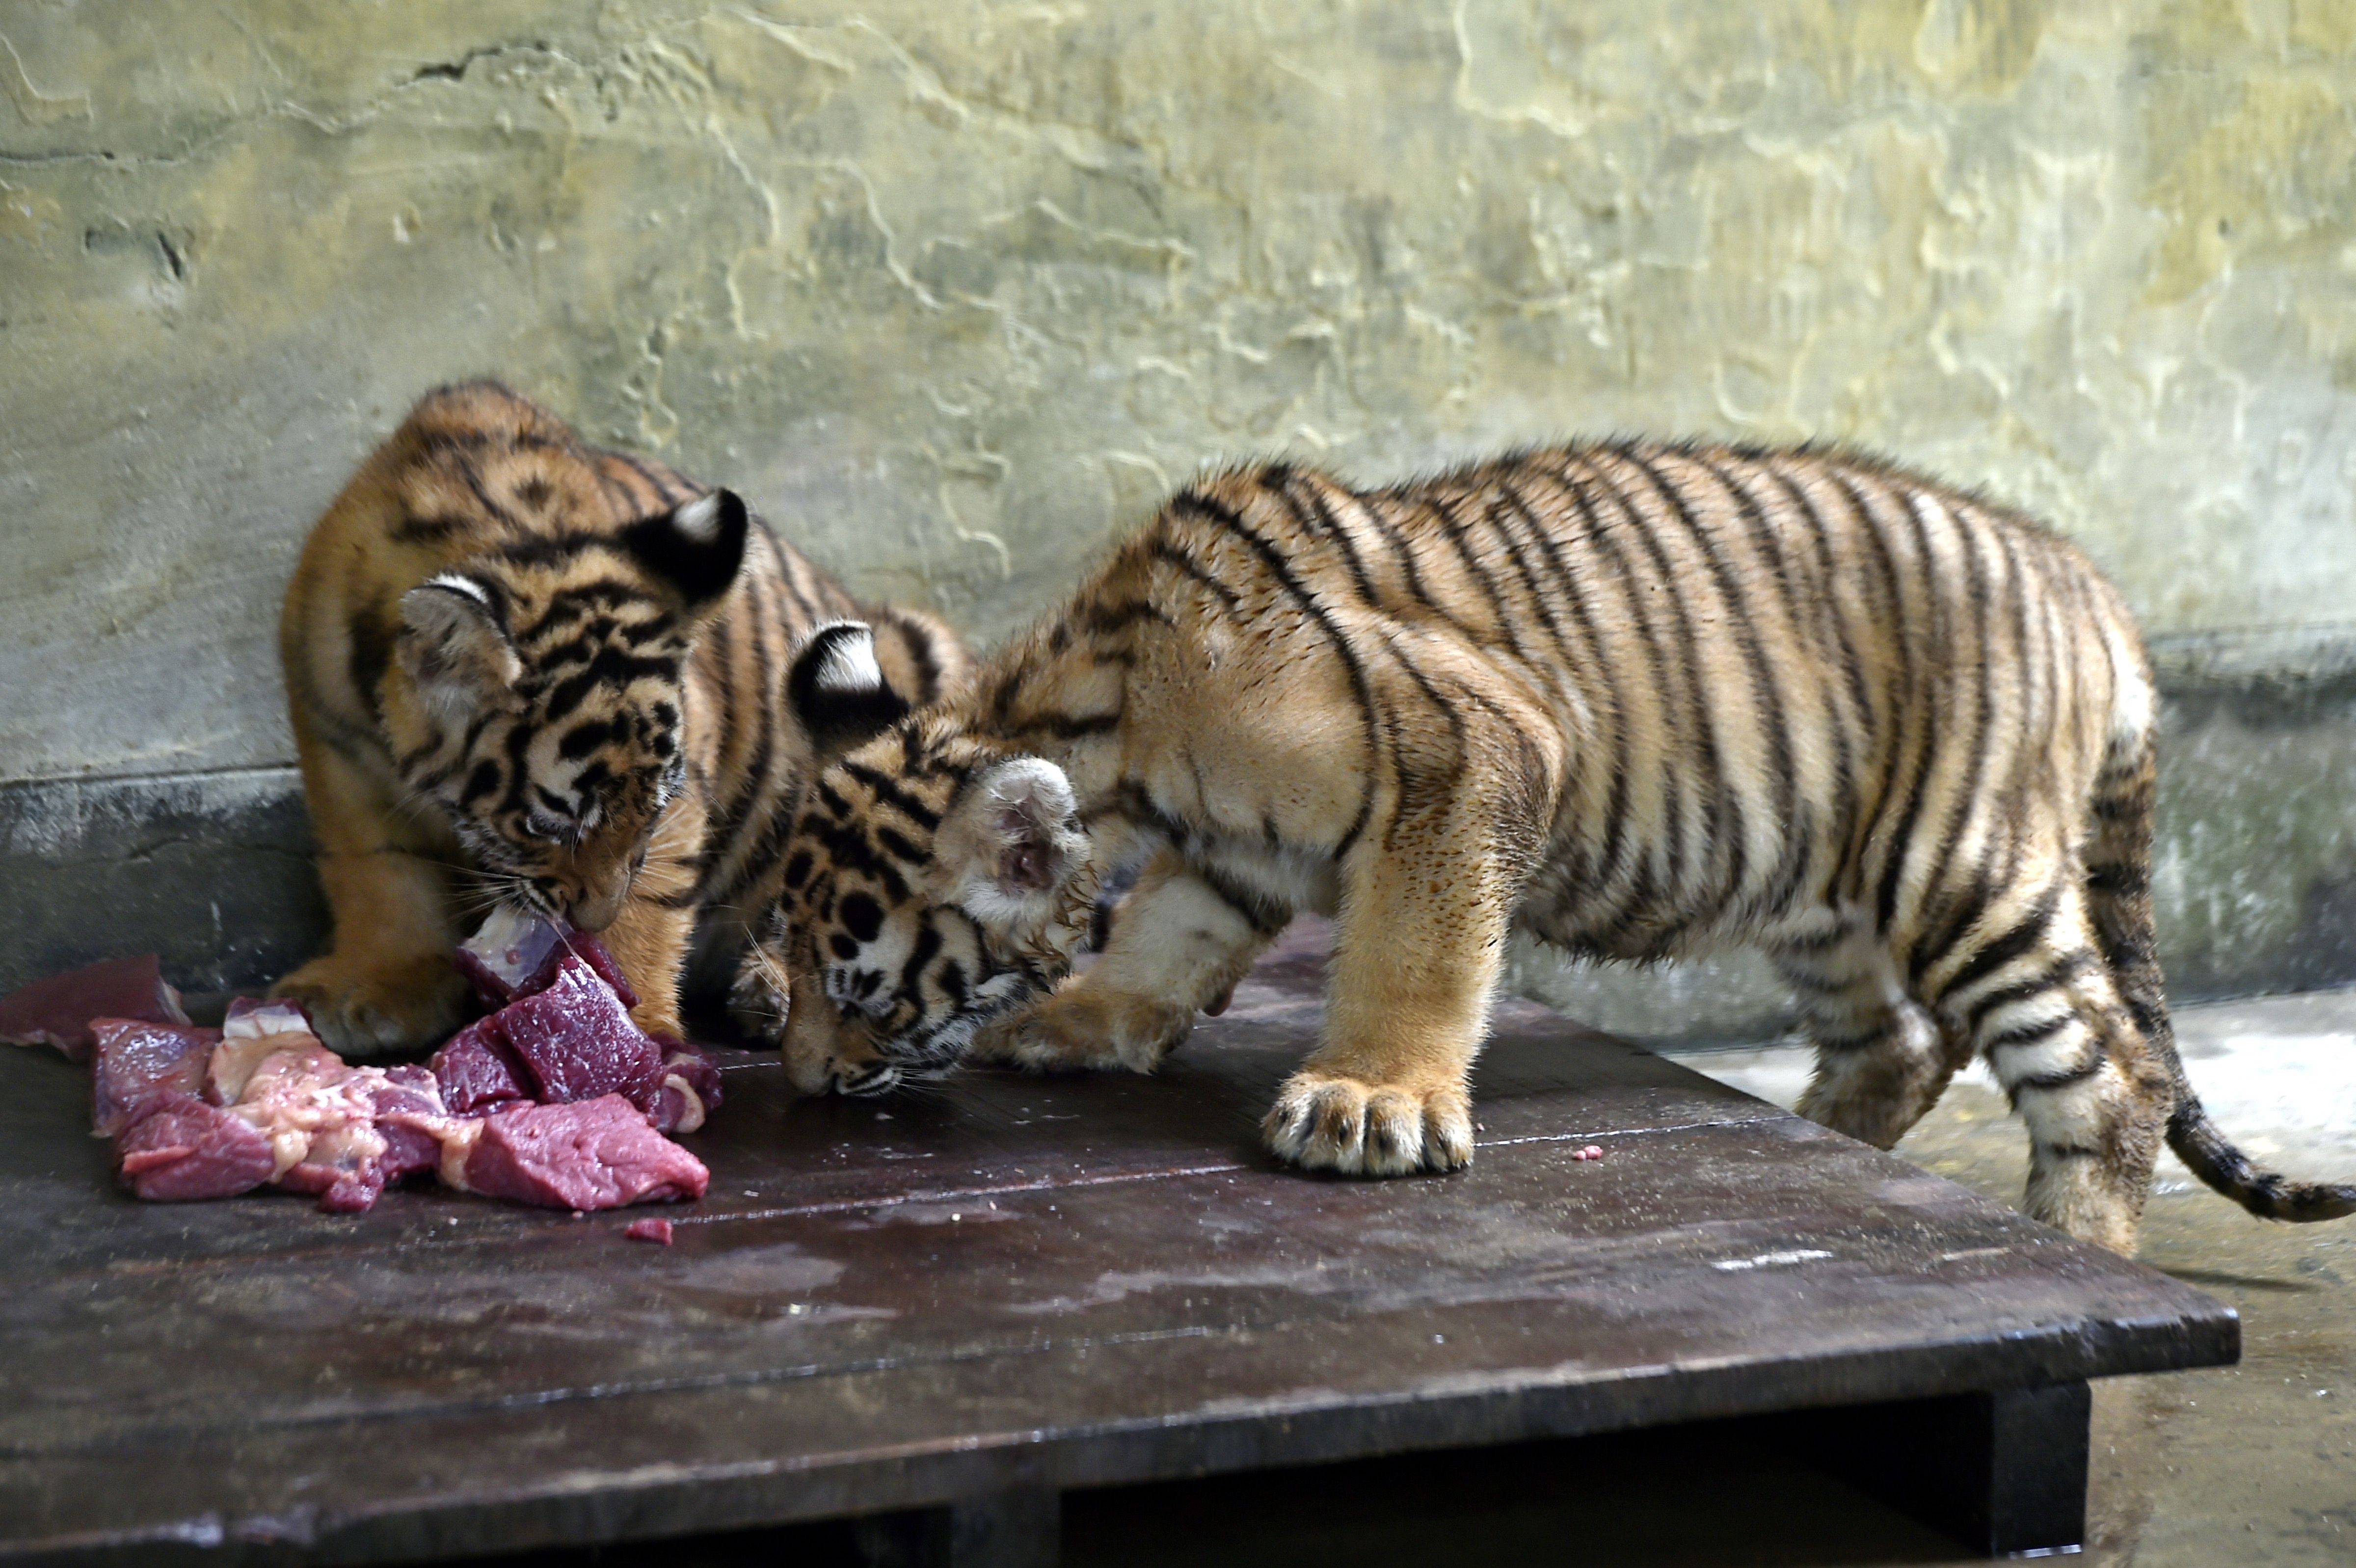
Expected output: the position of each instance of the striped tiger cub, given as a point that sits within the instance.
(525, 672)
(1634, 699)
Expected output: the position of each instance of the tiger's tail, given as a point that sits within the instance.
(2119, 888)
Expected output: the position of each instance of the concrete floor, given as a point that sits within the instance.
(2253, 1463)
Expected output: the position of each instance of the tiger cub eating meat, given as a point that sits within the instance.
(527, 672)
(1634, 699)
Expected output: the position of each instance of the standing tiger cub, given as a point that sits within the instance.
(523, 670)
(1633, 698)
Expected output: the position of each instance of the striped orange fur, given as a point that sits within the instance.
(524, 671)
(1638, 699)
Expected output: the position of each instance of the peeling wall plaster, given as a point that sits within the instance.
(954, 289)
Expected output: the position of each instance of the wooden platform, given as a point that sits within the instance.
(943, 1309)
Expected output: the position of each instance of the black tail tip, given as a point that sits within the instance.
(2272, 1197)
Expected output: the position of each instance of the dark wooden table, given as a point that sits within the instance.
(943, 1310)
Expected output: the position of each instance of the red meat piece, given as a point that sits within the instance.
(57, 1011)
(350, 1165)
(595, 1153)
(648, 1230)
(517, 954)
(575, 1040)
(689, 1092)
(504, 953)
(182, 1148)
(409, 1117)
(135, 1059)
(476, 1072)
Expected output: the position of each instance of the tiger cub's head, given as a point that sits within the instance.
(544, 695)
(930, 885)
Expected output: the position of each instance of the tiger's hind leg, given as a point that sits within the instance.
(2029, 989)
(1881, 1061)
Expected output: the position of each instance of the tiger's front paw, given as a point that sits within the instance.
(761, 999)
(1083, 1027)
(1323, 1122)
(363, 1008)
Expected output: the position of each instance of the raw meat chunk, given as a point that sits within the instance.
(240, 1055)
(564, 1031)
(135, 1059)
(409, 1117)
(576, 1040)
(476, 1072)
(298, 1094)
(498, 959)
(343, 1166)
(57, 1011)
(595, 1153)
(515, 955)
(279, 1106)
(350, 1165)
(690, 1089)
(648, 1230)
(340, 1131)
(183, 1148)
(591, 952)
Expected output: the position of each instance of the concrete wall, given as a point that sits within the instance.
(953, 289)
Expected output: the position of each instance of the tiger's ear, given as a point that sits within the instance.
(453, 647)
(837, 689)
(1012, 840)
(694, 548)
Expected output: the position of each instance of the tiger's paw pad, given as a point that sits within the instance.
(363, 1011)
(1356, 1128)
(1081, 1027)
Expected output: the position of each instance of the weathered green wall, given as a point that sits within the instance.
(952, 288)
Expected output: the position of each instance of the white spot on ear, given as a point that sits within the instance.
(1016, 839)
(456, 583)
(700, 518)
(850, 664)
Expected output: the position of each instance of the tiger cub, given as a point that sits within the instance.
(525, 672)
(1633, 698)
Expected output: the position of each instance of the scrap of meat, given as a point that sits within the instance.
(59, 1010)
(591, 1154)
(648, 1230)
(689, 1092)
(135, 1059)
(183, 1148)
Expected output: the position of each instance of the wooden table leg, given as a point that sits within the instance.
(1020, 1528)
(2004, 1473)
